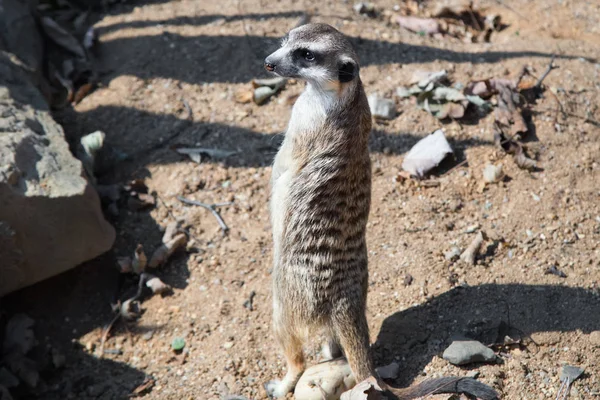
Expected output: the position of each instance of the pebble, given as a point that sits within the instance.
(472, 228)
(382, 107)
(228, 345)
(462, 352)
(492, 173)
(148, 335)
(595, 338)
(389, 371)
(325, 381)
(452, 254)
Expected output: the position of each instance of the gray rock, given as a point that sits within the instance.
(492, 173)
(453, 254)
(325, 381)
(382, 107)
(50, 216)
(19, 33)
(389, 371)
(462, 352)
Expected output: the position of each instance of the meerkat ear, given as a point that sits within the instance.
(347, 71)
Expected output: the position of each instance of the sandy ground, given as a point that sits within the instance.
(156, 57)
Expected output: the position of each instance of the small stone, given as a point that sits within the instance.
(228, 345)
(492, 173)
(595, 338)
(472, 228)
(382, 107)
(148, 335)
(462, 352)
(473, 374)
(325, 381)
(455, 205)
(389, 371)
(453, 254)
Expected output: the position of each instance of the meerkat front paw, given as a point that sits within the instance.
(277, 389)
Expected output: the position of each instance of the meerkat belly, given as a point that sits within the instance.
(324, 253)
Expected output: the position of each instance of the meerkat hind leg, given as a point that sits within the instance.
(294, 356)
(353, 332)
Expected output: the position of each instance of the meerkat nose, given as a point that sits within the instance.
(269, 66)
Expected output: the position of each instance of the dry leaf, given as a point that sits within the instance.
(158, 286)
(138, 265)
(426, 154)
(368, 389)
(61, 37)
(130, 309)
(162, 254)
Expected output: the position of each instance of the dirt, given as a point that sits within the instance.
(158, 58)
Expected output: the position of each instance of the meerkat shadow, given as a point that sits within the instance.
(487, 313)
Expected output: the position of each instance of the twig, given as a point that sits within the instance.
(211, 207)
(460, 164)
(186, 231)
(105, 334)
(550, 67)
(500, 2)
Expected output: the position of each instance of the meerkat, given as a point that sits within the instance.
(320, 201)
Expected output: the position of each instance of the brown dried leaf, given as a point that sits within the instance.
(368, 389)
(507, 113)
(138, 265)
(162, 254)
(523, 161)
(83, 91)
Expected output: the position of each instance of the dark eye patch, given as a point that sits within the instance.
(306, 56)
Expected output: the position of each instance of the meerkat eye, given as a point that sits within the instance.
(308, 55)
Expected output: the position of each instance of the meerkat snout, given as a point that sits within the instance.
(317, 53)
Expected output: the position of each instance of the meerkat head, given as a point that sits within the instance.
(317, 53)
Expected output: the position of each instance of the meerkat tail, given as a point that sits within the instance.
(449, 384)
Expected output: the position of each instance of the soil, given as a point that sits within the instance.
(158, 58)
